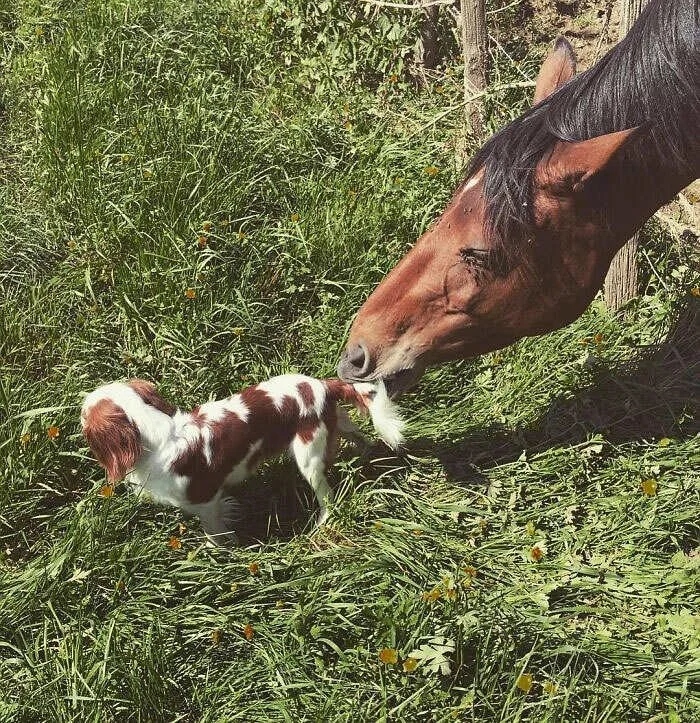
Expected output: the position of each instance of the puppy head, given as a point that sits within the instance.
(113, 438)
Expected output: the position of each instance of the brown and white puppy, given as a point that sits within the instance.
(188, 459)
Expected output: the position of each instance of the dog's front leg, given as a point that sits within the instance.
(219, 518)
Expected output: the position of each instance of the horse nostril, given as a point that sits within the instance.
(357, 357)
(355, 362)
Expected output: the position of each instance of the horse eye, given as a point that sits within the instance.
(484, 260)
(475, 257)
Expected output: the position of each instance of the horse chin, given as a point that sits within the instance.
(401, 381)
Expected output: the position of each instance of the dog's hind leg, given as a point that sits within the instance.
(310, 453)
(350, 431)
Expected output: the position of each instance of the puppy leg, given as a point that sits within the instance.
(219, 518)
(310, 456)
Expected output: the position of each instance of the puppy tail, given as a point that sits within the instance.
(371, 398)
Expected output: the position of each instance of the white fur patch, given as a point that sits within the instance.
(152, 477)
(384, 413)
(216, 411)
(206, 443)
(311, 460)
(242, 469)
(287, 385)
(473, 181)
(186, 434)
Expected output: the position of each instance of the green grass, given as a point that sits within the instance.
(125, 126)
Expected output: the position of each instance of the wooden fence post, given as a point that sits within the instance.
(474, 36)
(474, 54)
(428, 51)
(621, 281)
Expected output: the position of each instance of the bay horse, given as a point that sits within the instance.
(525, 242)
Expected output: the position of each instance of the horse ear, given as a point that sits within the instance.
(558, 67)
(573, 163)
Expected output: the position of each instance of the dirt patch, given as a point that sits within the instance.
(592, 28)
(683, 213)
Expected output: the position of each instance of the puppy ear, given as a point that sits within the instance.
(113, 438)
(148, 393)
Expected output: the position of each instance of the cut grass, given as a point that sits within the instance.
(513, 538)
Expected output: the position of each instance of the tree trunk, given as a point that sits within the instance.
(630, 10)
(474, 37)
(621, 281)
(428, 52)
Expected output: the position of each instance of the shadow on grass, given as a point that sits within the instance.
(654, 395)
(275, 504)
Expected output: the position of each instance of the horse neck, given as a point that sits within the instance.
(637, 186)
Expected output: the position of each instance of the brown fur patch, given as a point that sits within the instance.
(231, 439)
(338, 390)
(306, 393)
(276, 427)
(113, 438)
(147, 391)
(393, 300)
(306, 429)
(203, 481)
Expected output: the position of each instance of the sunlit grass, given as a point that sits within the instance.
(517, 550)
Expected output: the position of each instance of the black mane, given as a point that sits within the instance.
(650, 79)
